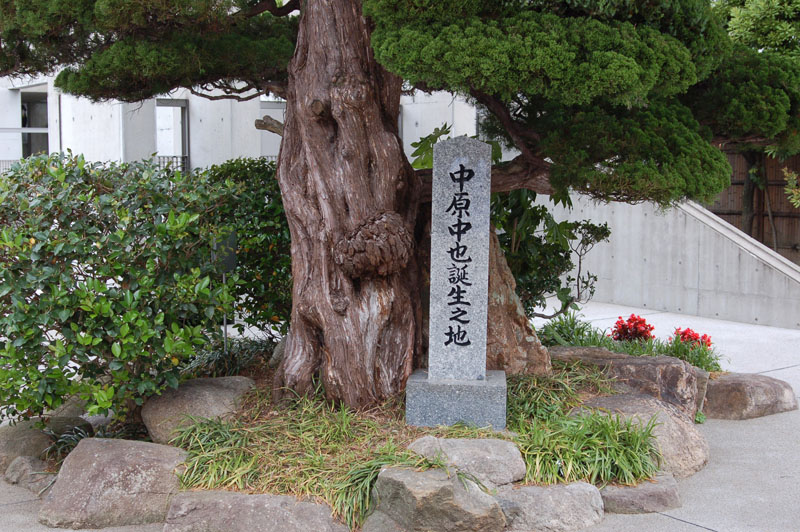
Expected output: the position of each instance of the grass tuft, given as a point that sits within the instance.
(559, 446)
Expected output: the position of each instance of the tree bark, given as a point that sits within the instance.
(351, 200)
(748, 194)
(512, 344)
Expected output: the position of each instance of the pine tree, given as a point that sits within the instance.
(609, 98)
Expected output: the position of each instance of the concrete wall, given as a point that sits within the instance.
(91, 129)
(687, 260)
(421, 113)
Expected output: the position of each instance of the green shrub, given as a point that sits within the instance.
(541, 251)
(264, 298)
(106, 283)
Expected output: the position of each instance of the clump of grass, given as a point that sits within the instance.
(311, 448)
(308, 448)
(569, 329)
(594, 447)
(560, 447)
(65, 442)
(241, 355)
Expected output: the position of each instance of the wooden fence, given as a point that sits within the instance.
(782, 232)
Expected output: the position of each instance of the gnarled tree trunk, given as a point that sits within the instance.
(351, 200)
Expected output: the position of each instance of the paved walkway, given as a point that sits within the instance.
(752, 482)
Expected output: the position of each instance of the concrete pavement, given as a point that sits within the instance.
(752, 482)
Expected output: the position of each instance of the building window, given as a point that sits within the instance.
(172, 133)
(23, 126)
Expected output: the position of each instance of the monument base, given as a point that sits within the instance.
(447, 402)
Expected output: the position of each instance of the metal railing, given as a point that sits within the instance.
(176, 162)
(5, 165)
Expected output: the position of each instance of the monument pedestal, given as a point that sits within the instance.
(445, 402)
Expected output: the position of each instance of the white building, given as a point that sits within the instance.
(181, 128)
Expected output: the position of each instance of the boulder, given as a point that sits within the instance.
(747, 395)
(702, 388)
(648, 496)
(278, 351)
(109, 482)
(666, 378)
(511, 342)
(431, 501)
(59, 425)
(73, 406)
(684, 450)
(558, 508)
(21, 439)
(216, 398)
(225, 511)
(493, 462)
(31, 473)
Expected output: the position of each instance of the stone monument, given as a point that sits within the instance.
(456, 386)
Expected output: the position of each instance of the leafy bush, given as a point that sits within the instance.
(255, 213)
(633, 329)
(106, 281)
(570, 330)
(540, 251)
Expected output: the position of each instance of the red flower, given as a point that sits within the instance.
(634, 328)
(689, 336)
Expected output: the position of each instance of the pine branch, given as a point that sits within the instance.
(272, 7)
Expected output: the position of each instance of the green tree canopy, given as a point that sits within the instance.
(589, 90)
(772, 25)
(593, 92)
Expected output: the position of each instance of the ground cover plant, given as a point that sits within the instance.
(684, 344)
(309, 447)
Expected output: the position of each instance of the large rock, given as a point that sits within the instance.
(657, 495)
(224, 511)
(511, 342)
(493, 462)
(105, 483)
(431, 501)
(559, 508)
(200, 398)
(666, 378)
(684, 450)
(278, 351)
(31, 473)
(22, 439)
(60, 425)
(746, 395)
